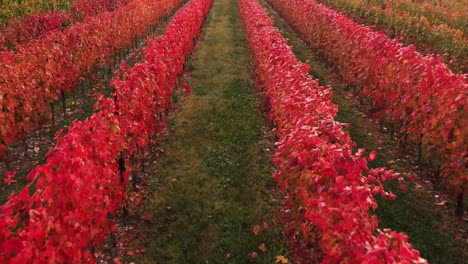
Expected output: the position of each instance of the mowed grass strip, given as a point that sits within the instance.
(213, 184)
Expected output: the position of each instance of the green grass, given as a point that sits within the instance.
(430, 229)
(214, 184)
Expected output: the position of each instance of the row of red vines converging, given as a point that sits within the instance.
(35, 76)
(417, 94)
(66, 207)
(329, 189)
(19, 31)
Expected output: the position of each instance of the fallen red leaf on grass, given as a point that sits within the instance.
(262, 247)
(441, 203)
(256, 230)
(253, 254)
(146, 217)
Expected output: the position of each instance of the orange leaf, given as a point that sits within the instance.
(262, 247)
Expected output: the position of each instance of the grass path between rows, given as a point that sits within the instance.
(439, 236)
(213, 184)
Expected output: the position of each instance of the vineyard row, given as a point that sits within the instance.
(417, 96)
(36, 76)
(330, 190)
(37, 26)
(67, 207)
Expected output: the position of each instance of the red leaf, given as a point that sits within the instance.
(187, 88)
(262, 247)
(10, 178)
(253, 254)
(256, 230)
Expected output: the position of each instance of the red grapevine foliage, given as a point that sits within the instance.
(37, 26)
(65, 208)
(417, 94)
(35, 76)
(329, 189)
(84, 8)
(31, 27)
